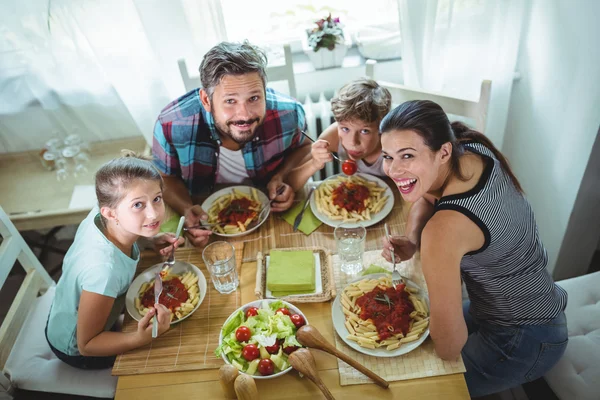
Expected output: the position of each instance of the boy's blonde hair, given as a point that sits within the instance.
(361, 99)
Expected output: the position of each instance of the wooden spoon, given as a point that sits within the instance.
(303, 361)
(309, 336)
(227, 375)
(245, 387)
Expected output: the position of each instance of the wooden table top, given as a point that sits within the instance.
(34, 199)
(204, 383)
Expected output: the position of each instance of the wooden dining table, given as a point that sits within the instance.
(204, 383)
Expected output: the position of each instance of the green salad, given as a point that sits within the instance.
(258, 340)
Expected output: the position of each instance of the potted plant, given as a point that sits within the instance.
(326, 44)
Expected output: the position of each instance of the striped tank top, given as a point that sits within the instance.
(506, 279)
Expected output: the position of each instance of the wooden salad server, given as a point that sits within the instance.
(309, 336)
(245, 387)
(303, 361)
(227, 375)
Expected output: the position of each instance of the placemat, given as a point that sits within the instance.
(190, 344)
(419, 363)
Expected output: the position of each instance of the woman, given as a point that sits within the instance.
(471, 221)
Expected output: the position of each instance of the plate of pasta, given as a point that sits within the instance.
(184, 288)
(379, 320)
(236, 210)
(360, 199)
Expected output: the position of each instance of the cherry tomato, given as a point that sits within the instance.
(243, 333)
(251, 312)
(298, 320)
(349, 167)
(266, 367)
(273, 349)
(290, 349)
(283, 310)
(250, 352)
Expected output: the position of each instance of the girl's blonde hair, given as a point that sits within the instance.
(116, 176)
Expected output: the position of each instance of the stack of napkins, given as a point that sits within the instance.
(291, 272)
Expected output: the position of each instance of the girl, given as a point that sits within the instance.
(474, 223)
(101, 263)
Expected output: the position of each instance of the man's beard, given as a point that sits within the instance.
(239, 137)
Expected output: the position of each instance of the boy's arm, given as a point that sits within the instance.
(307, 167)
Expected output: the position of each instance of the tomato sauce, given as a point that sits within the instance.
(237, 211)
(388, 317)
(174, 293)
(351, 196)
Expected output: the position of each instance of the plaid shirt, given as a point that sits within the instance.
(186, 142)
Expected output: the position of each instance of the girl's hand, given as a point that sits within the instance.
(404, 249)
(164, 243)
(164, 321)
(320, 153)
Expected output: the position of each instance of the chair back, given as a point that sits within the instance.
(12, 248)
(470, 109)
(275, 73)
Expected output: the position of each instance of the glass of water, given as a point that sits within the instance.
(219, 258)
(350, 240)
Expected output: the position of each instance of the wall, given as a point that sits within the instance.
(555, 113)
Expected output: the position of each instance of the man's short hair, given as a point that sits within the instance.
(228, 58)
(362, 99)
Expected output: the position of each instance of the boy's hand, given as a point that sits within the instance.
(320, 153)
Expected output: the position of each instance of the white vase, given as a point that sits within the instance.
(325, 58)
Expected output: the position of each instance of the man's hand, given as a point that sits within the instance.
(193, 217)
(285, 199)
(404, 249)
(164, 243)
(320, 153)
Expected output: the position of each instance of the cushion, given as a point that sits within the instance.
(577, 374)
(33, 366)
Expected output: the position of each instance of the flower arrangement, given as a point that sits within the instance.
(327, 34)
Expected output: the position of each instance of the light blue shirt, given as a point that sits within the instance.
(93, 263)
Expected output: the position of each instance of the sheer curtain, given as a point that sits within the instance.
(450, 46)
(102, 68)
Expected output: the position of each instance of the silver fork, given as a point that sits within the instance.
(280, 190)
(158, 288)
(171, 259)
(396, 278)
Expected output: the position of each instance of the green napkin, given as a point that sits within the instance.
(291, 271)
(375, 269)
(309, 222)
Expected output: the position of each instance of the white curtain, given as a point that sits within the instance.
(104, 69)
(451, 46)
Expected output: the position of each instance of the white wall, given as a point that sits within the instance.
(555, 110)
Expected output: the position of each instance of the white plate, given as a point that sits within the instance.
(338, 323)
(318, 280)
(375, 218)
(264, 200)
(258, 304)
(148, 275)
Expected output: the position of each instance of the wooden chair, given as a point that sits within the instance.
(472, 110)
(276, 73)
(26, 360)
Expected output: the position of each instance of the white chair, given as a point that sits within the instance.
(576, 376)
(473, 110)
(26, 360)
(276, 73)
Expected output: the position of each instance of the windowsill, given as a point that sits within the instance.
(353, 59)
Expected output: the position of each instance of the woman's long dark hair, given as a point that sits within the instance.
(430, 122)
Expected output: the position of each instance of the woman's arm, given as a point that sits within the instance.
(92, 340)
(447, 237)
(307, 166)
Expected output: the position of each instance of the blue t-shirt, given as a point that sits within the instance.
(93, 263)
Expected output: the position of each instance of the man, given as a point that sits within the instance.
(231, 131)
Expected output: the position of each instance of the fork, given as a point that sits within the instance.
(158, 288)
(279, 191)
(396, 278)
(171, 259)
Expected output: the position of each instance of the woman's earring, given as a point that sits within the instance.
(117, 221)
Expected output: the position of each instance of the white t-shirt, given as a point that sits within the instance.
(232, 168)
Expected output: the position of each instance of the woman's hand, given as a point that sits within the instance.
(164, 321)
(320, 153)
(403, 248)
(165, 243)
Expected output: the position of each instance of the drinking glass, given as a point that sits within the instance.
(219, 258)
(350, 241)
